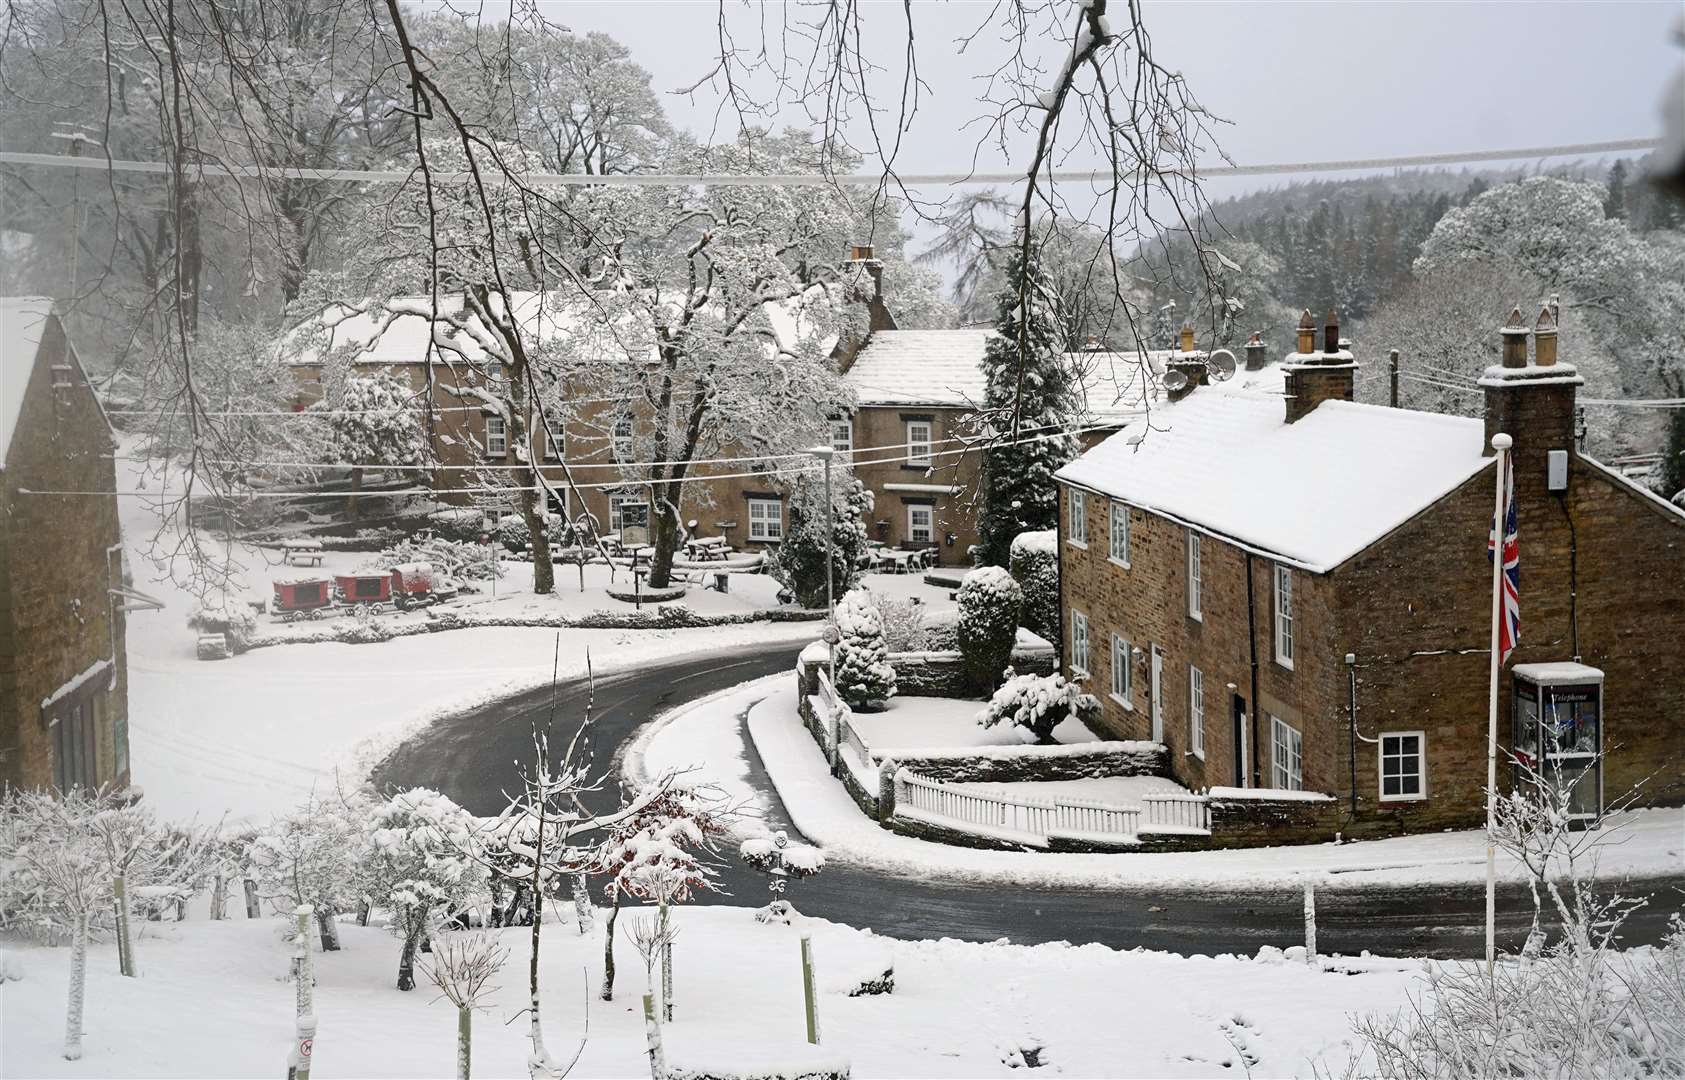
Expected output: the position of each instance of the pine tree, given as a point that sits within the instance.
(1614, 203)
(864, 677)
(800, 559)
(1029, 394)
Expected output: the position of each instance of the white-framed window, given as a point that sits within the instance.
(1194, 609)
(627, 511)
(552, 452)
(1079, 518)
(1287, 747)
(842, 436)
(1079, 643)
(1284, 616)
(497, 436)
(766, 519)
(623, 447)
(1196, 711)
(1403, 766)
(1120, 533)
(1123, 672)
(921, 523)
(918, 442)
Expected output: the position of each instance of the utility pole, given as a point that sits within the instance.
(1392, 374)
(825, 454)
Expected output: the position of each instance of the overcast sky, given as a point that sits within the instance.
(1298, 80)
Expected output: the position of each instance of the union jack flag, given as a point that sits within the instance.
(1509, 622)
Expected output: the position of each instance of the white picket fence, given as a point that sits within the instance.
(1017, 817)
(1176, 812)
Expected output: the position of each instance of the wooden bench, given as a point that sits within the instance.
(301, 552)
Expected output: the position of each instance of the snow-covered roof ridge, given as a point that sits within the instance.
(22, 321)
(1312, 493)
(920, 367)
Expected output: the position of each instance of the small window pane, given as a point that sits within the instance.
(1120, 532)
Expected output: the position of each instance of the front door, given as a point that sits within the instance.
(1158, 694)
(1239, 741)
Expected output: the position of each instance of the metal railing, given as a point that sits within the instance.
(1176, 811)
(961, 805)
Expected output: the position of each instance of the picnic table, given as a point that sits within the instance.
(707, 549)
(301, 552)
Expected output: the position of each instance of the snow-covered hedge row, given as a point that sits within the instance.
(668, 617)
(1005, 764)
(989, 604)
(1035, 566)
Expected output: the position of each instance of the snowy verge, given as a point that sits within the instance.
(1636, 844)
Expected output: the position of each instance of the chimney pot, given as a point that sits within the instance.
(1307, 332)
(1331, 332)
(860, 252)
(1187, 338)
(1544, 338)
(1515, 339)
(1254, 352)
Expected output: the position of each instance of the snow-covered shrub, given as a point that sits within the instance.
(903, 624)
(1036, 704)
(864, 677)
(459, 559)
(419, 858)
(1035, 567)
(989, 603)
(366, 628)
(464, 523)
(226, 615)
(512, 531)
(799, 561)
(374, 421)
(310, 856)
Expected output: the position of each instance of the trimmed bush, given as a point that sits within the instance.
(1036, 704)
(864, 677)
(1035, 567)
(989, 603)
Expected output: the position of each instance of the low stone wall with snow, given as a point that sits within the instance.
(1006, 764)
(942, 674)
(1263, 817)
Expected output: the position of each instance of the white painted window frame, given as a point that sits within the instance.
(1196, 712)
(1078, 514)
(913, 526)
(1123, 672)
(1079, 644)
(1195, 575)
(1118, 541)
(1282, 595)
(1421, 773)
(915, 442)
(1287, 755)
(763, 528)
(497, 436)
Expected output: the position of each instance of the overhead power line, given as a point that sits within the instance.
(14, 157)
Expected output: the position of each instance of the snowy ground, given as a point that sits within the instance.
(251, 736)
(949, 723)
(958, 1010)
(1647, 842)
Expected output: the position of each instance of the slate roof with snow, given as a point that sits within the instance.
(23, 319)
(1313, 493)
(945, 368)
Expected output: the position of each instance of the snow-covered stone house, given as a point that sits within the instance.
(63, 678)
(1292, 591)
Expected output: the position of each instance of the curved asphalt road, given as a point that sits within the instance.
(471, 758)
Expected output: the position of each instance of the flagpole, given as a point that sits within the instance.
(1501, 443)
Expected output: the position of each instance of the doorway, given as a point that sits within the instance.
(1158, 694)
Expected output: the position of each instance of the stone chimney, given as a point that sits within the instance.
(1531, 402)
(860, 258)
(1255, 358)
(1314, 377)
(1187, 360)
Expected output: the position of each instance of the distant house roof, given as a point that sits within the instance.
(1313, 493)
(945, 368)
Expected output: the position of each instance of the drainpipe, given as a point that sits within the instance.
(1351, 711)
(1252, 651)
(1059, 574)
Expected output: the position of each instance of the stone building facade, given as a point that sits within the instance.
(63, 673)
(1310, 579)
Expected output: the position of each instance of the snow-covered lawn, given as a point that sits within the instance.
(213, 1001)
(252, 736)
(948, 723)
(1645, 842)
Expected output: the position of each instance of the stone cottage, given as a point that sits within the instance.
(1292, 591)
(63, 678)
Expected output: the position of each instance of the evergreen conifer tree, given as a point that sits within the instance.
(800, 560)
(1024, 365)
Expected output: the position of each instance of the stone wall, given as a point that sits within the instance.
(1241, 818)
(942, 674)
(1014, 763)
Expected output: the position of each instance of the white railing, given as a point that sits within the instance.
(993, 813)
(849, 740)
(1176, 811)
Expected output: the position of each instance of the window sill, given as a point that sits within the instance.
(1125, 702)
(921, 466)
(1197, 616)
(766, 539)
(1404, 798)
(1284, 664)
(1115, 561)
(1078, 675)
(1200, 754)
(1076, 543)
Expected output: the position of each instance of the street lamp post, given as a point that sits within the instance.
(825, 454)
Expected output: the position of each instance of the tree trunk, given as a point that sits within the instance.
(543, 571)
(464, 1041)
(494, 914)
(666, 963)
(664, 523)
(328, 925)
(125, 938)
(415, 924)
(78, 981)
(652, 1036)
(356, 489)
(582, 913)
(250, 887)
(219, 898)
(608, 950)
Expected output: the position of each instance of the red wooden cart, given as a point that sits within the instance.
(416, 585)
(304, 596)
(372, 589)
